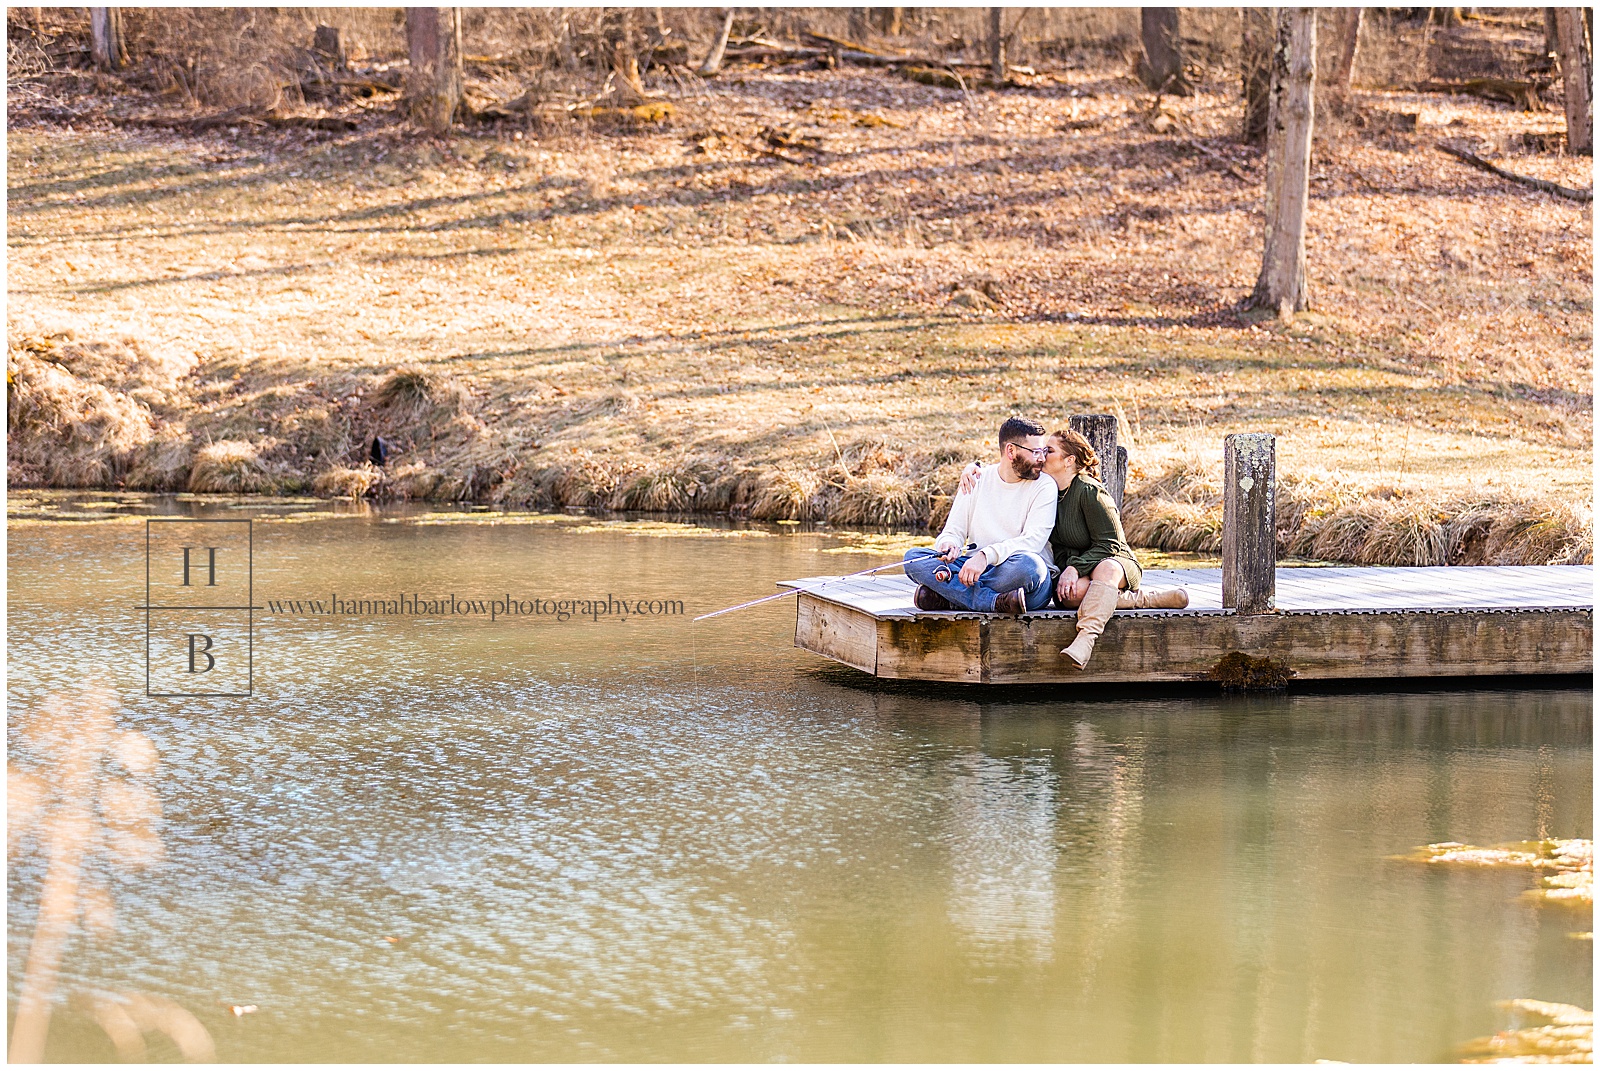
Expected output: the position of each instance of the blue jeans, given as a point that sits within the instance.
(1026, 571)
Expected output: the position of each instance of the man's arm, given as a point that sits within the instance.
(954, 535)
(1036, 528)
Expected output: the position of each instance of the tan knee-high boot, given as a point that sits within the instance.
(1153, 599)
(1099, 602)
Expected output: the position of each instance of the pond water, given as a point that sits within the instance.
(450, 838)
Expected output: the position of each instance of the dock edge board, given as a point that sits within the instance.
(1307, 645)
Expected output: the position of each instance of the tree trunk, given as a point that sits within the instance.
(564, 53)
(997, 44)
(1282, 283)
(891, 20)
(1348, 31)
(106, 44)
(713, 62)
(433, 86)
(625, 63)
(1161, 67)
(328, 43)
(1577, 72)
(1256, 35)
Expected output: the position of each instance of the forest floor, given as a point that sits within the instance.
(815, 294)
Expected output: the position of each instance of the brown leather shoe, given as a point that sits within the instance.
(1013, 603)
(928, 599)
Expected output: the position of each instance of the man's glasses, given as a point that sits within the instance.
(1041, 452)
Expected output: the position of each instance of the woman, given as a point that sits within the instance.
(1099, 574)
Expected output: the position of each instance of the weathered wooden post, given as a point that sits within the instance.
(1101, 431)
(1249, 536)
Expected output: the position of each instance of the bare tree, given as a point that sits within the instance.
(1258, 29)
(565, 54)
(997, 44)
(106, 43)
(713, 62)
(1281, 285)
(859, 24)
(433, 86)
(1577, 73)
(1161, 67)
(1347, 34)
(625, 62)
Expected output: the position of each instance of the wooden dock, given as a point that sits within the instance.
(1329, 624)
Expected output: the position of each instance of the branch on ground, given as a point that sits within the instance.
(1522, 180)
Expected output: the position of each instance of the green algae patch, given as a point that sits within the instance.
(1237, 671)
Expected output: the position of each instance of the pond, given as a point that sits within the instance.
(445, 837)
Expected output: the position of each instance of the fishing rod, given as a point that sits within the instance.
(796, 591)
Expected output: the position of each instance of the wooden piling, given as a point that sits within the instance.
(1101, 431)
(1249, 538)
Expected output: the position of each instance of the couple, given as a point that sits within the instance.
(1015, 539)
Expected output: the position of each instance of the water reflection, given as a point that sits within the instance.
(1003, 854)
(1107, 802)
(79, 794)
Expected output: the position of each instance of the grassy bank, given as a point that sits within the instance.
(677, 318)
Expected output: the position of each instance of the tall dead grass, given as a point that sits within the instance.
(79, 414)
(230, 467)
(1335, 520)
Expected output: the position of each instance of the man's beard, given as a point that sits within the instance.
(1025, 466)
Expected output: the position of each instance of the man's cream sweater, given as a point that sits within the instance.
(1002, 518)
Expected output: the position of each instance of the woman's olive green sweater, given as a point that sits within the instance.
(1089, 530)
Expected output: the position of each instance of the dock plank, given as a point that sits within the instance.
(1511, 587)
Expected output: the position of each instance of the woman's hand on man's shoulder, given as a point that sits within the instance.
(969, 478)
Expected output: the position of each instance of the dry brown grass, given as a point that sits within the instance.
(545, 315)
(347, 482)
(230, 467)
(1327, 518)
(79, 413)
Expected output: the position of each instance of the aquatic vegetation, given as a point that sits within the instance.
(1558, 1034)
(486, 518)
(885, 544)
(666, 528)
(1239, 672)
(1572, 861)
(579, 523)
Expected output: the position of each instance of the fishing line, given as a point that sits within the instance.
(797, 591)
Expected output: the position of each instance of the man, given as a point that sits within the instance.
(1008, 517)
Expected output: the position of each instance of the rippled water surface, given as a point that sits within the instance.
(445, 839)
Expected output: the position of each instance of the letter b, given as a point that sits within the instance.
(201, 652)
